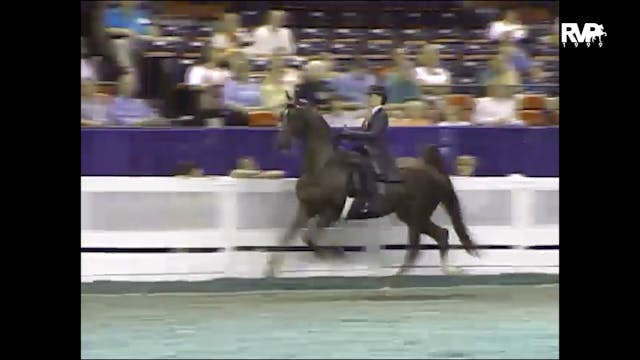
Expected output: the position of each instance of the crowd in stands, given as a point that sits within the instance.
(228, 74)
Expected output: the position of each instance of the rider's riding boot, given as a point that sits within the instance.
(370, 204)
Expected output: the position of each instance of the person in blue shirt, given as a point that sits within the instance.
(239, 90)
(353, 86)
(127, 110)
(128, 25)
(128, 19)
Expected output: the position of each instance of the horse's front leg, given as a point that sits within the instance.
(273, 261)
(316, 227)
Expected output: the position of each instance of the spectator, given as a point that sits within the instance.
(277, 83)
(498, 108)
(231, 35)
(329, 64)
(510, 26)
(87, 68)
(212, 110)
(429, 74)
(553, 38)
(127, 110)
(400, 83)
(93, 107)
(238, 90)
(453, 117)
(518, 59)
(127, 25)
(208, 65)
(502, 72)
(466, 165)
(339, 117)
(353, 86)
(416, 111)
(189, 169)
(269, 37)
(314, 88)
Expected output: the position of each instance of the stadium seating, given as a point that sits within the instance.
(348, 28)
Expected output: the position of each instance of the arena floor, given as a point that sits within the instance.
(456, 322)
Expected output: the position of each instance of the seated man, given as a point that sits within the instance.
(127, 110)
(212, 109)
(353, 85)
(93, 107)
(315, 89)
(372, 142)
(238, 89)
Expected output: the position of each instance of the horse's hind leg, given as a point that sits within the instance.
(413, 250)
(298, 222)
(441, 236)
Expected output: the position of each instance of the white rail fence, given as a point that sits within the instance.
(176, 229)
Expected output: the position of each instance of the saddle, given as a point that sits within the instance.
(367, 184)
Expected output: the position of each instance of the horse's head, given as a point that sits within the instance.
(293, 122)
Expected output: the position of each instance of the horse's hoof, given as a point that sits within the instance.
(337, 252)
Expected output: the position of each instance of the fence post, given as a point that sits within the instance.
(229, 212)
(522, 198)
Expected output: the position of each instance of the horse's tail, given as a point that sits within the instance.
(452, 205)
(432, 156)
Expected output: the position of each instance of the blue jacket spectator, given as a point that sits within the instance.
(128, 16)
(353, 86)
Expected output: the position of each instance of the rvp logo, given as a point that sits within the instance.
(588, 35)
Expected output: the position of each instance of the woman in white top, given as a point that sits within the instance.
(269, 37)
(429, 74)
(509, 26)
(498, 108)
(230, 34)
(208, 65)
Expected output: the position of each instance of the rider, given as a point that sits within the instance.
(372, 139)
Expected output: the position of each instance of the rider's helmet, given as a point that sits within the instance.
(378, 90)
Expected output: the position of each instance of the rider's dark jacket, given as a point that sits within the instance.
(372, 136)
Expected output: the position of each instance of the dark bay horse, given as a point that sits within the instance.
(323, 187)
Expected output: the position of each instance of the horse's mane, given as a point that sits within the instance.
(316, 120)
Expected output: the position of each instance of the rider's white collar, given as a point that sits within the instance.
(376, 109)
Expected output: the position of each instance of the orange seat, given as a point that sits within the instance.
(108, 88)
(533, 102)
(262, 118)
(463, 101)
(533, 117)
